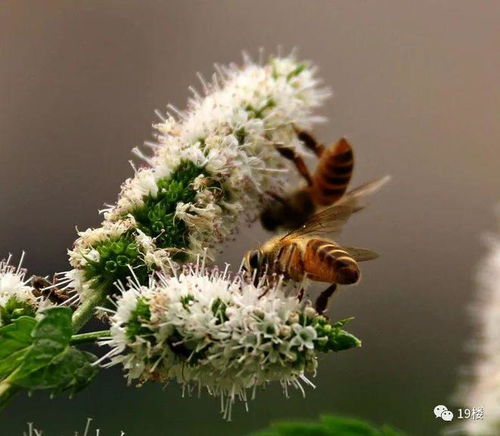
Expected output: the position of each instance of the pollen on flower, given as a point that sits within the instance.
(208, 329)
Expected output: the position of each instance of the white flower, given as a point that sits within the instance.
(13, 283)
(88, 251)
(211, 166)
(209, 330)
(230, 132)
(304, 336)
(482, 388)
(17, 297)
(83, 249)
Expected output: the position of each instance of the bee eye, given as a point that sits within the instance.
(254, 259)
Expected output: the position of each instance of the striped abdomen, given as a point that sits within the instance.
(325, 261)
(332, 174)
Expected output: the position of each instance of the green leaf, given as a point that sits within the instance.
(70, 370)
(50, 338)
(348, 426)
(15, 339)
(38, 355)
(386, 430)
(327, 426)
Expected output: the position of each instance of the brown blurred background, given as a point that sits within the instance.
(416, 90)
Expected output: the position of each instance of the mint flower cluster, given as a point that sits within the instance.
(211, 165)
(207, 329)
(17, 297)
(170, 316)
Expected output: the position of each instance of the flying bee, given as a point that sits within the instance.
(304, 253)
(326, 186)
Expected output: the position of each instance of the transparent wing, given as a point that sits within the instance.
(356, 198)
(360, 254)
(332, 219)
(329, 220)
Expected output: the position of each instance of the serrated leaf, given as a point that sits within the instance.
(38, 355)
(8, 365)
(50, 337)
(70, 370)
(16, 335)
(15, 340)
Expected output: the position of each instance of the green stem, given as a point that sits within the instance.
(86, 310)
(83, 338)
(7, 391)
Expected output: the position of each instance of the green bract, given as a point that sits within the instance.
(15, 308)
(332, 337)
(156, 217)
(116, 257)
(138, 321)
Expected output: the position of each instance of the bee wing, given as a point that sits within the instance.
(356, 198)
(329, 220)
(360, 254)
(332, 219)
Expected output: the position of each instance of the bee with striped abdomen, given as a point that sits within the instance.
(304, 253)
(326, 186)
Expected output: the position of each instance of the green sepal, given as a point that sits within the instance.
(156, 216)
(332, 337)
(342, 322)
(116, 256)
(15, 308)
(341, 340)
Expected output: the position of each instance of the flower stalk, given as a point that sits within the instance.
(86, 311)
(90, 337)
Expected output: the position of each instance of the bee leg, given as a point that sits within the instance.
(264, 293)
(300, 295)
(322, 301)
(310, 142)
(291, 154)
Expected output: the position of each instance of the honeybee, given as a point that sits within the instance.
(304, 253)
(326, 186)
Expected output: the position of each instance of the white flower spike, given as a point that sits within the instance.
(210, 330)
(212, 165)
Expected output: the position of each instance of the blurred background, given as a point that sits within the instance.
(416, 91)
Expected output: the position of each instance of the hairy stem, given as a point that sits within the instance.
(84, 338)
(85, 312)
